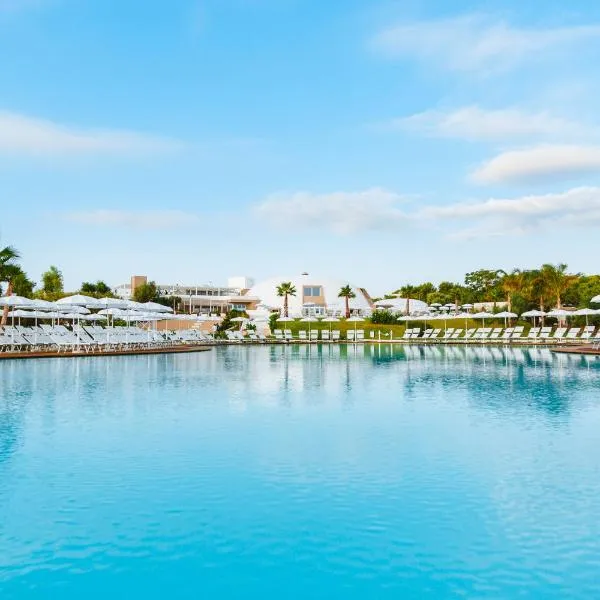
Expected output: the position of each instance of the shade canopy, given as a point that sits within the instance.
(506, 315)
(482, 315)
(285, 319)
(331, 320)
(156, 307)
(112, 303)
(533, 313)
(595, 300)
(355, 319)
(15, 301)
(586, 312)
(559, 313)
(79, 300)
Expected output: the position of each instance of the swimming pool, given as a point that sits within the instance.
(301, 472)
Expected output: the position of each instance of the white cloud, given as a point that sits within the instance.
(540, 163)
(22, 135)
(475, 42)
(475, 123)
(149, 219)
(379, 210)
(578, 207)
(342, 212)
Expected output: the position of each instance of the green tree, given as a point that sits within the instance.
(22, 285)
(511, 284)
(485, 284)
(284, 290)
(52, 283)
(99, 289)
(346, 293)
(557, 281)
(147, 292)
(9, 268)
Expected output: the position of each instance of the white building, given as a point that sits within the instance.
(198, 298)
(315, 296)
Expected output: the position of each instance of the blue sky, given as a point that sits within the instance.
(379, 142)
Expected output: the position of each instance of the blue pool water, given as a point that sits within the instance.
(297, 472)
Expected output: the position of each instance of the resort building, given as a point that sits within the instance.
(315, 296)
(199, 298)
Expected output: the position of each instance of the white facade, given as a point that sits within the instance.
(314, 296)
(240, 283)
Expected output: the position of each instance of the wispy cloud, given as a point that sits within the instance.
(540, 163)
(476, 42)
(23, 135)
(578, 207)
(474, 123)
(385, 211)
(143, 219)
(374, 209)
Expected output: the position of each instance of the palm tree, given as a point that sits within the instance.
(557, 281)
(8, 270)
(513, 283)
(284, 290)
(347, 293)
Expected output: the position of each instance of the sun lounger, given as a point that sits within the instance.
(456, 333)
(559, 334)
(588, 332)
(336, 335)
(572, 334)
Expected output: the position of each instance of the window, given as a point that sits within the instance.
(312, 290)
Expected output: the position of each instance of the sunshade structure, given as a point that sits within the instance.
(506, 315)
(464, 315)
(587, 313)
(15, 301)
(533, 314)
(595, 300)
(79, 300)
(112, 303)
(330, 320)
(483, 316)
(309, 320)
(156, 307)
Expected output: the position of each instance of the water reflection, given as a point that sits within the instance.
(491, 378)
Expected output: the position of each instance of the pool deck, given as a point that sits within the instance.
(586, 350)
(133, 352)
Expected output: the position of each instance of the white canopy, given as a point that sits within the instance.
(79, 300)
(506, 315)
(15, 301)
(559, 313)
(595, 300)
(533, 313)
(156, 307)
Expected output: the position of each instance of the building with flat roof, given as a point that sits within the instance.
(199, 298)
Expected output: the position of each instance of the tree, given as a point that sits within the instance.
(484, 283)
(285, 290)
(557, 281)
(347, 293)
(99, 288)
(147, 292)
(8, 270)
(22, 285)
(511, 284)
(52, 283)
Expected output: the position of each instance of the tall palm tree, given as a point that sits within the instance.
(347, 293)
(513, 283)
(285, 290)
(8, 270)
(557, 281)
